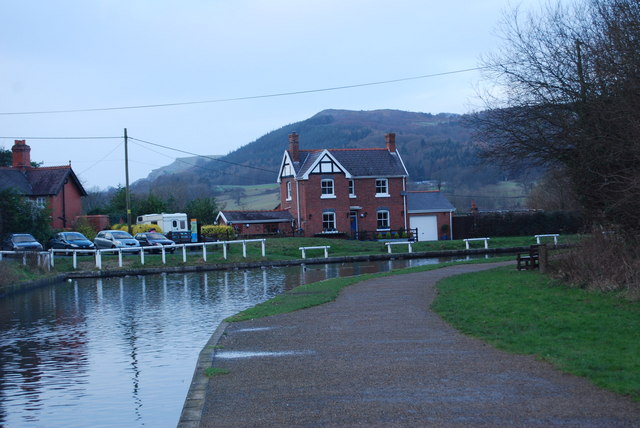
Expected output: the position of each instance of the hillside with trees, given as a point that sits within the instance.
(438, 149)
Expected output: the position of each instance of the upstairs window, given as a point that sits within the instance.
(382, 187)
(288, 190)
(383, 220)
(352, 189)
(326, 186)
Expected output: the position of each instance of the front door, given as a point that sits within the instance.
(354, 224)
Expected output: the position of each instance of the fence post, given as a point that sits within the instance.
(141, 256)
(204, 251)
(184, 253)
(224, 250)
(244, 249)
(543, 258)
(264, 251)
(119, 257)
(52, 262)
(99, 259)
(75, 259)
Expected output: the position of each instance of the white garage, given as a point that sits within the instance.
(428, 212)
(427, 226)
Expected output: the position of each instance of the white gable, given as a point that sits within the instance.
(326, 164)
(286, 167)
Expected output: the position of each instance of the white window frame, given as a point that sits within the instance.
(329, 217)
(352, 188)
(380, 185)
(325, 187)
(288, 190)
(40, 202)
(385, 216)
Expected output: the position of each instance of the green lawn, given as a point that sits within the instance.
(585, 333)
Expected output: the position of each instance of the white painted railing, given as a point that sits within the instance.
(141, 251)
(389, 244)
(549, 235)
(486, 241)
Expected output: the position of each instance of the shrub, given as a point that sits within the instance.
(83, 226)
(602, 261)
(139, 228)
(224, 233)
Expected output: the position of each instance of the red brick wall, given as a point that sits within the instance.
(312, 205)
(72, 206)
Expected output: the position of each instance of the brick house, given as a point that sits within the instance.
(344, 191)
(56, 188)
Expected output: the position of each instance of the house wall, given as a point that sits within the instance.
(312, 205)
(70, 209)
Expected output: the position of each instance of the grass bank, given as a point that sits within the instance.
(317, 293)
(585, 333)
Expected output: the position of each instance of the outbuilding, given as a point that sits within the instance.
(431, 213)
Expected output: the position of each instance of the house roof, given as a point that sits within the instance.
(428, 202)
(15, 179)
(376, 162)
(249, 217)
(43, 181)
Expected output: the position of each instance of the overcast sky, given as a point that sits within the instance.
(79, 54)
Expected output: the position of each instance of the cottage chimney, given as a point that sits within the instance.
(21, 154)
(391, 141)
(294, 147)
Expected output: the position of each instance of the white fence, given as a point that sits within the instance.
(48, 257)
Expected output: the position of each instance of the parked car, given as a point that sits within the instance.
(70, 241)
(115, 239)
(21, 242)
(154, 239)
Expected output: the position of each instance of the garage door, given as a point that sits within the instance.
(427, 227)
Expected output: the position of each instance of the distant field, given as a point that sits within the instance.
(256, 197)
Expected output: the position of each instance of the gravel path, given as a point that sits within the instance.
(378, 356)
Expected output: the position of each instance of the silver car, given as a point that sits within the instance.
(115, 239)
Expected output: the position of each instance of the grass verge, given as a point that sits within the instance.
(585, 333)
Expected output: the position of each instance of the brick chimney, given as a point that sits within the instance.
(294, 147)
(21, 154)
(391, 141)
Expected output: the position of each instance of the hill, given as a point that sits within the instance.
(436, 148)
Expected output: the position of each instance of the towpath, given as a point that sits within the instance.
(378, 356)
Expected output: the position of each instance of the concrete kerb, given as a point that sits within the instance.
(194, 403)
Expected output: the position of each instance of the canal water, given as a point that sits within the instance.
(120, 352)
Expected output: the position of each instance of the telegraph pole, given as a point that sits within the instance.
(126, 173)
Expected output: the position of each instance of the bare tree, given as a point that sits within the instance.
(568, 96)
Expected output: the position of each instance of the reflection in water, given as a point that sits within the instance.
(121, 351)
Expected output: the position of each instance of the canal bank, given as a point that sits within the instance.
(379, 356)
(205, 267)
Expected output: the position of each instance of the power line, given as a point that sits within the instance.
(204, 156)
(251, 97)
(64, 138)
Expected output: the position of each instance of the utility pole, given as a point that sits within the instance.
(126, 174)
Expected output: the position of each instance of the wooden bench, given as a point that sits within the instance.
(530, 260)
(389, 244)
(321, 247)
(486, 241)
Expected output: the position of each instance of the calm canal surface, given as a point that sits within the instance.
(121, 351)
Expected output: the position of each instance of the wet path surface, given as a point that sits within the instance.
(379, 357)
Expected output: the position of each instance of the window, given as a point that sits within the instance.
(382, 187)
(288, 190)
(328, 221)
(40, 202)
(383, 220)
(352, 189)
(327, 188)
